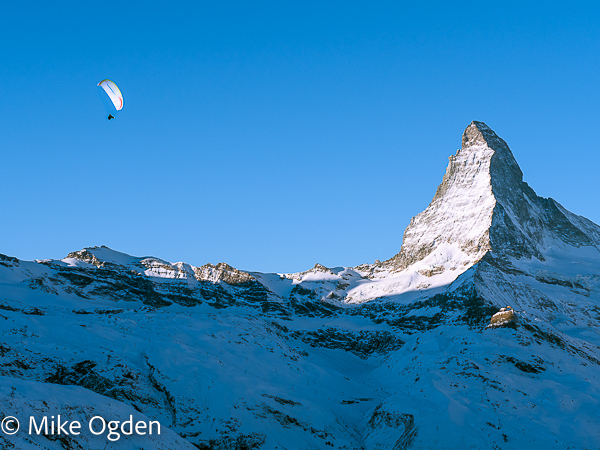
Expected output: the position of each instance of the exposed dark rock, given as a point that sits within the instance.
(361, 343)
(8, 261)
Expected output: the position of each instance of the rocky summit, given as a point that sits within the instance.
(483, 332)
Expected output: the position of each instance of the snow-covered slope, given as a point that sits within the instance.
(461, 211)
(413, 352)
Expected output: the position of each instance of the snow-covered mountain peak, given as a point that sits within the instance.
(479, 134)
(461, 211)
(99, 256)
(504, 171)
(483, 207)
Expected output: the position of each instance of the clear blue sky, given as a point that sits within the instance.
(274, 135)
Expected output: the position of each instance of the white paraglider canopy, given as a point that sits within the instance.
(115, 96)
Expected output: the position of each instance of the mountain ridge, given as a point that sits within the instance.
(481, 211)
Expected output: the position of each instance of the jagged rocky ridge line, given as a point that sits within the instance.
(405, 353)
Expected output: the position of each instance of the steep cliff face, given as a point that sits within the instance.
(525, 225)
(461, 210)
(483, 206)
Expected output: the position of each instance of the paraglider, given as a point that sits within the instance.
(111, 97)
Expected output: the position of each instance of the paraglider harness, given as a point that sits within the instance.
(110, 116)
